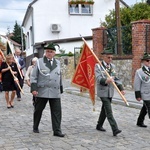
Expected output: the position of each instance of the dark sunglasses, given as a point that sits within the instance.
(147, 60)
(110, 57)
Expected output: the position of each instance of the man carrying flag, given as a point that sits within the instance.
(105, 90)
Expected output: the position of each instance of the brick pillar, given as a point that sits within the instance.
(138, 43)
(98, 37)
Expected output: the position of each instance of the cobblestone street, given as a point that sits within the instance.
(78, 123)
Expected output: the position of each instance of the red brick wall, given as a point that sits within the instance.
(98, 40)
(138, 43)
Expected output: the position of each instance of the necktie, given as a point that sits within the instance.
(50, 61)
(149, 69)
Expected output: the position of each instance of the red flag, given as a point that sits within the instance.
(84, 75)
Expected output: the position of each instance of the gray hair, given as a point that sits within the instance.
(34, 59)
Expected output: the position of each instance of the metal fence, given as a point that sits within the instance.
(147, 39)
(110, 40)
(77, 51)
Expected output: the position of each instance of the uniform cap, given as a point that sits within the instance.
(51, 46)
(146, 56)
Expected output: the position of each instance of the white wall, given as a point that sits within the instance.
(72, 25)
(69, 47)
(28, 24)
(47, 12)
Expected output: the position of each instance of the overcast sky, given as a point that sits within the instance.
(11, 11)
(14, 10)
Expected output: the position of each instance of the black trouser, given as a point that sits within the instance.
(106, 111)
(55, 108)
(21, 81)
(145, 108)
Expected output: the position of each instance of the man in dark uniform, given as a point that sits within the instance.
(46, 85)
(105, 90)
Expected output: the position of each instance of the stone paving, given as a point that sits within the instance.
(78, 122)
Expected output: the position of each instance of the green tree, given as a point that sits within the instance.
(16, 33)
(16, 36)
(136, 12)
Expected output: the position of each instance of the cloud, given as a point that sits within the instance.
(11, 11)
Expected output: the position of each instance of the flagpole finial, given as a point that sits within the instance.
(80, 34)
(81, 37)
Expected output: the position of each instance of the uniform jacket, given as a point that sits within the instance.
(46, 80)
(142, 84)
(103, 89)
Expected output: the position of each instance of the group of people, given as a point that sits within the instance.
(44, 78)
(12, 76)
(105, 90)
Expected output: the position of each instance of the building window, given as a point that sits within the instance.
(74, 9)
(80, 9)
(85, 9)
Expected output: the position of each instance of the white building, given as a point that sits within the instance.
(62, 22)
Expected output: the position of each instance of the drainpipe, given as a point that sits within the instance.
(22, 44)
(33, 32)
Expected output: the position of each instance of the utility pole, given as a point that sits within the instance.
(118, 22)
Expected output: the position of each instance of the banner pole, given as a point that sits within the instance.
(122, 96)
(16, 62)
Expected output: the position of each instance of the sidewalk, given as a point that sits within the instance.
(130, 97)
(78, 122)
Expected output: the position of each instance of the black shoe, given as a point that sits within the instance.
(19, 99)
(116, 132)
(100, 128)
(59, 134)
(142, 125)
(36, 130)
(12, 106)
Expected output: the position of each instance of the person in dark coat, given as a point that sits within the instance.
(46, 86)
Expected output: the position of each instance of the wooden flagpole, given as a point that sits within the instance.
(15, 61)
(122, 96)
(15, 78)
